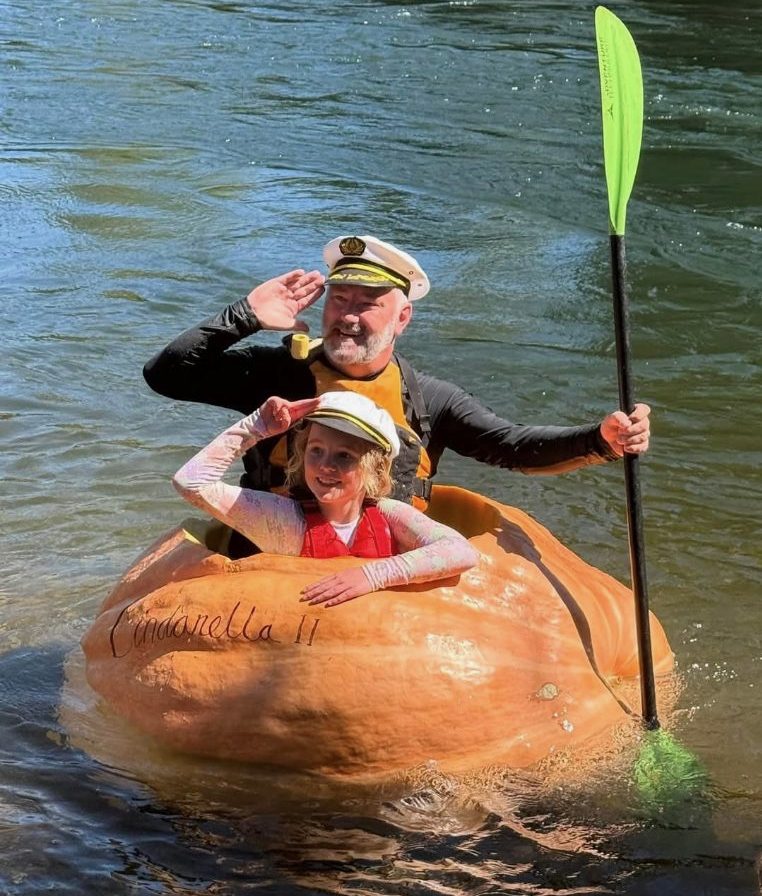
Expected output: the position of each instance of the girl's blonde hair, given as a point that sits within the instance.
(375, 467)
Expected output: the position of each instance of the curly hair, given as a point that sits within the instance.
(375, 467)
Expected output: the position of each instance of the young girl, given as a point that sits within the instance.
(342, 456)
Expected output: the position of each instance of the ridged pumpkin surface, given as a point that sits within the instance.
(504, 665)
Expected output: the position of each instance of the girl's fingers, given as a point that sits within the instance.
(337, 588)
(321, 589)
(339, 596)
(301, 408)
(319, 598)
(341, 600)
(328, 591)
(279, 414)
(331, 600)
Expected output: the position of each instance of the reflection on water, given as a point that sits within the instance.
(151, 815)
(154, 167)
(176, 825)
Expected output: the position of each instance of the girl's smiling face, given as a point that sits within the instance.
(332, 471)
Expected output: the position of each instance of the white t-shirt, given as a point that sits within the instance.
(346, 531)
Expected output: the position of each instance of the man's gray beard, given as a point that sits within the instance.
(352, 353)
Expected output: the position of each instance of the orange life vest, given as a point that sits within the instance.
(372, 537)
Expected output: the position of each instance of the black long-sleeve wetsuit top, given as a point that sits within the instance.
(200, 366)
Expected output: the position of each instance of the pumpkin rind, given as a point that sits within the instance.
(513, 660)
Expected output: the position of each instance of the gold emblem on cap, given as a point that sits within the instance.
(352, 245)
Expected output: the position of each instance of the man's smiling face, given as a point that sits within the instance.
(360, 324)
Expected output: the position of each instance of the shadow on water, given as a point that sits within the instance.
(166, 824)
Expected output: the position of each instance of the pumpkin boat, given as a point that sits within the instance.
(521, 656)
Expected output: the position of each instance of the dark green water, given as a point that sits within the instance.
(158, 160)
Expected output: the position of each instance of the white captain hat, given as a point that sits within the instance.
(357, 415)
(367, 261)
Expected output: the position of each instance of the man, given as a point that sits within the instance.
(371, 287)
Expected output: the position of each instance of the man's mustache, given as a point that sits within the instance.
(350, 330)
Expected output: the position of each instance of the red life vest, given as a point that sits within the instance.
(372, 537)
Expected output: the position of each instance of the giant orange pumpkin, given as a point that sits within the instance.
(513, 660)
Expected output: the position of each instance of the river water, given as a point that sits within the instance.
(160, 159)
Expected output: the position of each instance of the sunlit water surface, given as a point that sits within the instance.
(160, 159)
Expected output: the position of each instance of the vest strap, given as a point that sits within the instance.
(416, 398)
(422, 489)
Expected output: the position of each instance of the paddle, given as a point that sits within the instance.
(664, 765)
(622, 108)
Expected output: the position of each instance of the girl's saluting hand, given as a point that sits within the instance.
(278, 414)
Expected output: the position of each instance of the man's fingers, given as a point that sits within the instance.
(636, 442)
(309, 281)
(290, 277)
(628, 433)
(304, 304)
(641, 426)
(640, 412)
(309, 295)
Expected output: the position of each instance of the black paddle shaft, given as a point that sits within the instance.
(632, 486)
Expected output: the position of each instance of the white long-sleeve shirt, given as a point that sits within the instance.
(428, 550)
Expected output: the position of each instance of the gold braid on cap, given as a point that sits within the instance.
(373, 434)
(372, 267)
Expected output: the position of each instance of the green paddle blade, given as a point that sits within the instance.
(666, 775)
(622, 111)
